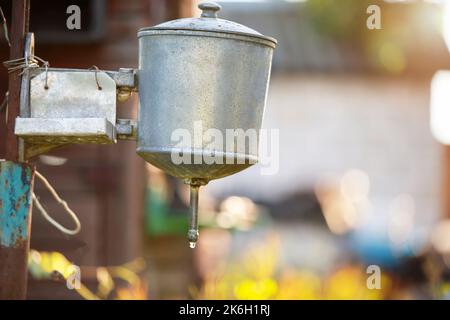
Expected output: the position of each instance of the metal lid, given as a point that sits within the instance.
(209, 22)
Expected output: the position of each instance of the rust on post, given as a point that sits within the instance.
(16, 185)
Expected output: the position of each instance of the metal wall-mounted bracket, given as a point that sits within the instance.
(72, 106)
(126, 82)
(68, 106)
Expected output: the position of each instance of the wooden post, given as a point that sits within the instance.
(16, 179)
(19, 28)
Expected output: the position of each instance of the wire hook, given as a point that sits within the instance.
(96, 78)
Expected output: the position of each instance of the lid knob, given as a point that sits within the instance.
(209, 9)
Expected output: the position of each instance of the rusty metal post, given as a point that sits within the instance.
(16, 179)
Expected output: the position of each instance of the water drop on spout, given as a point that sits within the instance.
(192, 234)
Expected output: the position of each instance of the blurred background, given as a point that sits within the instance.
(361, 179)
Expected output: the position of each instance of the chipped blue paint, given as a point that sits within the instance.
(15, 195)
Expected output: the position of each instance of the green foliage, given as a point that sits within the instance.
(343, 19)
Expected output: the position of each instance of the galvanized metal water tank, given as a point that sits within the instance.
(206, 72)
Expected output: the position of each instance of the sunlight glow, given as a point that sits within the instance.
(440, 106)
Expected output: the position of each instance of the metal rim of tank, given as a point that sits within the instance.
(264, 40)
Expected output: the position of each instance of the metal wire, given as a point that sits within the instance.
(5, 27)
(4, 102)
(96, 78)
(24, 63)
(61, 202)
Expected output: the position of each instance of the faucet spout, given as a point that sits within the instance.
(193, 233)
